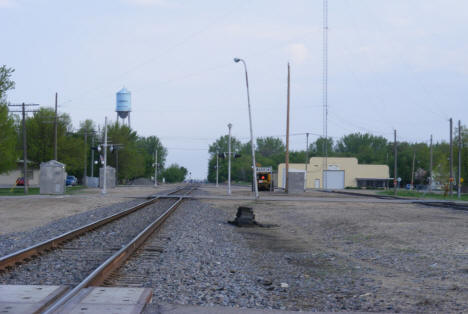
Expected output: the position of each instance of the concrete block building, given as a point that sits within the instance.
(339, 173)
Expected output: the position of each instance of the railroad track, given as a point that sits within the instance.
(431, 203)
(73, 244)
(382, 197)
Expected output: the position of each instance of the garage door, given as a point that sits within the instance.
(333, 179)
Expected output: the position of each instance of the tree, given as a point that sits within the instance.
(175, 173)
(270, 146)
(221, 146)
(40, 136)
(6, 83)
(318, 147)
(367, 148)
(147, 145)
(131, 162)
(8, 153)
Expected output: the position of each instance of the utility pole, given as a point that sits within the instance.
(217, 166)
(55, 129)
(116, 165)
(412, 171)
(395, 164)
(430, 167)
(92, 156)
(104, 184)
(287, 131)
(459, 160)
(229, 160)
(25, 153)
(451, 159)
(155, 167)
(307, 159)
(25, 146)
(85, 172)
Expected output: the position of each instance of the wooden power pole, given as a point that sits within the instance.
(459, 160)
(395, 180)
(25, 144)
(412, 171)
(430, 167)
(287, 129)
(451, 160)
(55, 129)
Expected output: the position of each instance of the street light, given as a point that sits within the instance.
(254, 166)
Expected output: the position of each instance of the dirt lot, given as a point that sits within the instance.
(24, 213)
(364, 256)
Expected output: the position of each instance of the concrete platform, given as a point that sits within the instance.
(26, 299)
(102, 300)
(190, 309)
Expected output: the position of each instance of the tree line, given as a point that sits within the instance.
(367, 148)
(133, 155)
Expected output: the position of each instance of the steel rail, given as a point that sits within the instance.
(23, 254)
(98, 276)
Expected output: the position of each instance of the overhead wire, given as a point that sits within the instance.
(178, 44)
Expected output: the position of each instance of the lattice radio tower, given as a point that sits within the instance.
(325, 89)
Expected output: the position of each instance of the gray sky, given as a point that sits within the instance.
(399, 64)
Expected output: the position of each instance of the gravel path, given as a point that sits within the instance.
(199, 259)
(205, 261)
(69, 264)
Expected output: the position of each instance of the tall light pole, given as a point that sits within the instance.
(459, 160)
(104, 184)
(155, 168)
(254, 165)
(229, 159)
(217, 166)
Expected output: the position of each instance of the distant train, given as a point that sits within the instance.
(265, 178)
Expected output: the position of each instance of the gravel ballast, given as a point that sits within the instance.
(72, 262)
(205, 261)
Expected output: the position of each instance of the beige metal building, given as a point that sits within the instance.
(340, 172)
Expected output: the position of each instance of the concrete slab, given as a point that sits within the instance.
(102, 300)
(190, 309)
(28, 298)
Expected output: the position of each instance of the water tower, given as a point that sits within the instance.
(124, 105)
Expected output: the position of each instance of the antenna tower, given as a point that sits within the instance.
(325, 89)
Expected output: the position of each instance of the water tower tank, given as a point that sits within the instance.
(123, 106)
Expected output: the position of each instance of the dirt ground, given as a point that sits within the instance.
(24, 213)
(397, 257)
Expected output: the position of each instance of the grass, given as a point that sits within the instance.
(422, 195)
(19, 191)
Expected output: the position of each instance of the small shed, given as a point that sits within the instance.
(110, 177)
(52, 177)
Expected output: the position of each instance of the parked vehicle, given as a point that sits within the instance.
(20, 181)
(71, 180)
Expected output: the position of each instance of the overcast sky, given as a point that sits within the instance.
(399, 64)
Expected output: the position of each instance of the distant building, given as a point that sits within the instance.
(341, 172)
(8, 179)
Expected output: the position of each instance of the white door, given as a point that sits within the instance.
(333, 179)
(317, 183)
